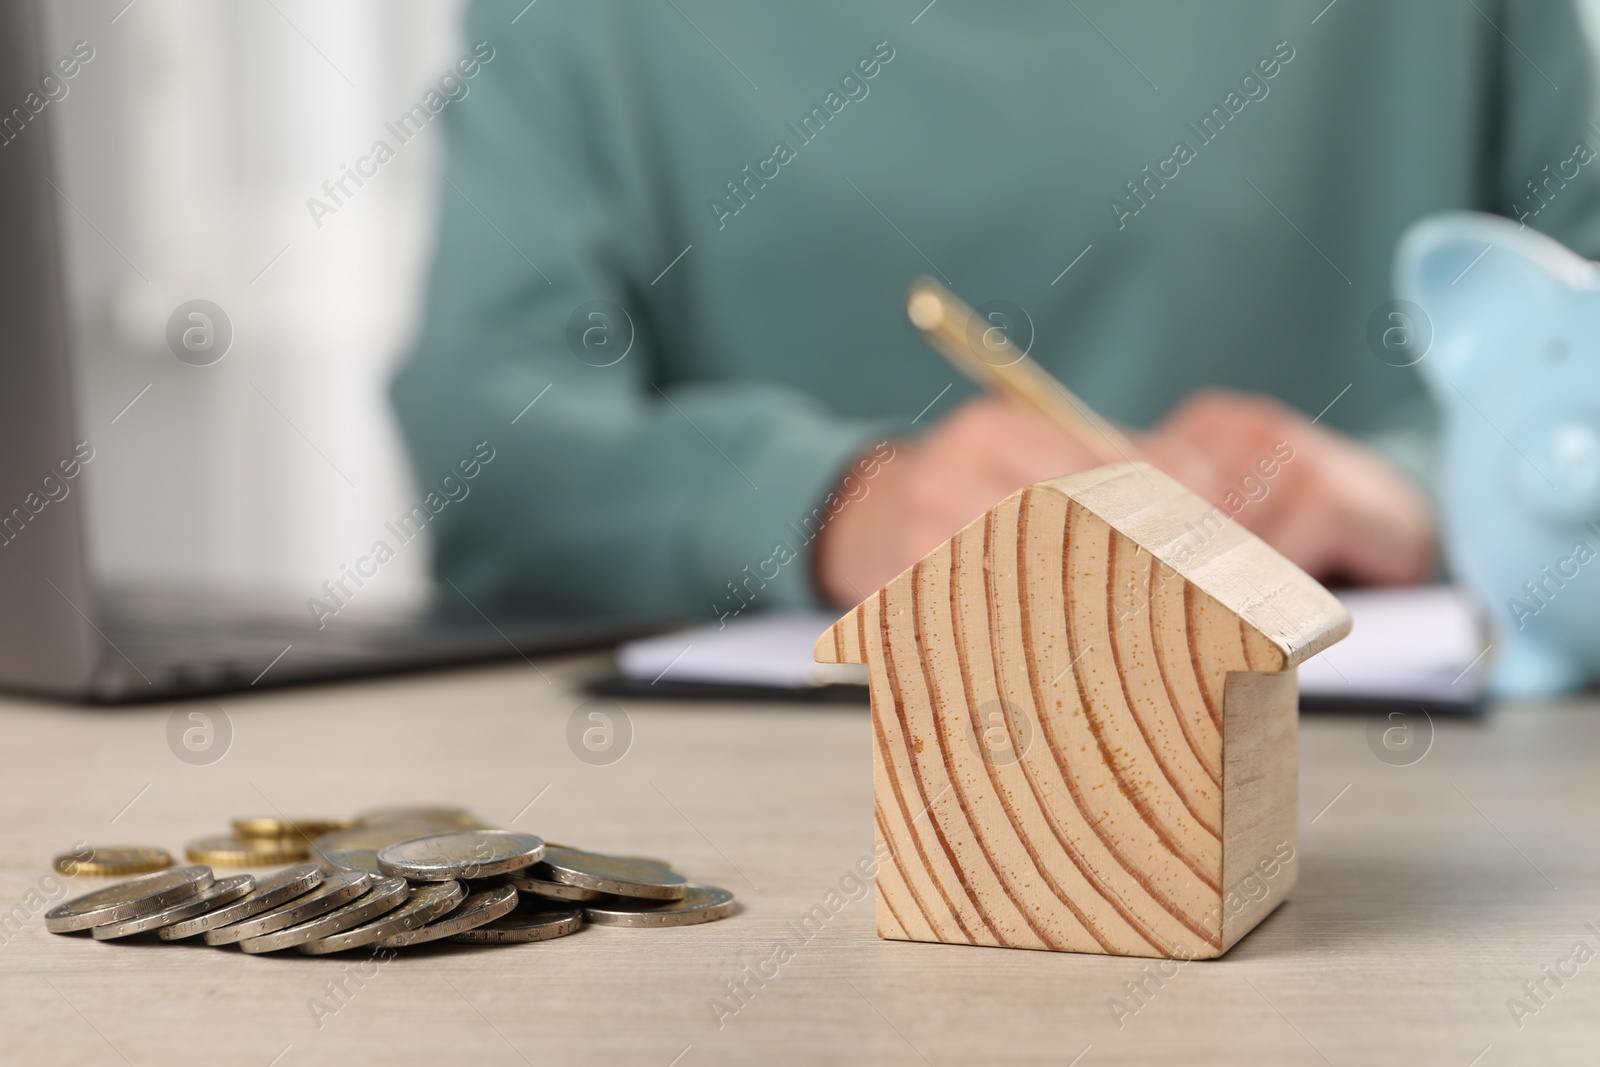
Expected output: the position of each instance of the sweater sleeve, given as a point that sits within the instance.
(621, 484)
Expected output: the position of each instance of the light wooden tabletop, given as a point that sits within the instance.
(1428, 895)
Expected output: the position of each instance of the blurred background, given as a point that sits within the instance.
(188, 148)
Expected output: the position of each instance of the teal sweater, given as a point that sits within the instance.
(682, 232)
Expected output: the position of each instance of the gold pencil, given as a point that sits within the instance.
(988, 357)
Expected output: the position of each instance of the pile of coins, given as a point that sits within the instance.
(387, 880)
(262, 841)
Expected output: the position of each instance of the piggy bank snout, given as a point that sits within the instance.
(1560, 478)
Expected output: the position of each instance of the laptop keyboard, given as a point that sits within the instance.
(155, 649)
(171, 656)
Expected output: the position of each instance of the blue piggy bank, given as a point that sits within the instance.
(1506, 336)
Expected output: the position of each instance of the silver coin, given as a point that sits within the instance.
(385, 895)
(621, 875)
(481, 906)
(530, 921)
(526, 882)
(126, 900)
(275, 889)
(225, 891)
(463, 854)
(335, 890)
(353, 859)
(426, 903)
(700, 904)
(638, 859)
(376, 836)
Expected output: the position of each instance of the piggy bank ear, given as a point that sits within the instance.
(1484, 286)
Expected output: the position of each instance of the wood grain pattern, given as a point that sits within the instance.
(1084, 722)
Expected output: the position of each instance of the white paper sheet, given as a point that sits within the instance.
(1425, 643)
(770, 650)
(1420, 642)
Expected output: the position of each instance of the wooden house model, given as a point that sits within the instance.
(1084, 722)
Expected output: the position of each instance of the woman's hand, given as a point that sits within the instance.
(1330, 504)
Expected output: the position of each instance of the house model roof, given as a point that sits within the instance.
(1192, 539)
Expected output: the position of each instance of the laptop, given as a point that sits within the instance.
(61, 634)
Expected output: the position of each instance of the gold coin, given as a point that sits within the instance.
(272, 827)
(456, 818)
(114, 860)
(225, 850)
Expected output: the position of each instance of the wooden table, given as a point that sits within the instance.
(1429, 894)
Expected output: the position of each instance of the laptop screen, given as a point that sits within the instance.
(47, 640)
